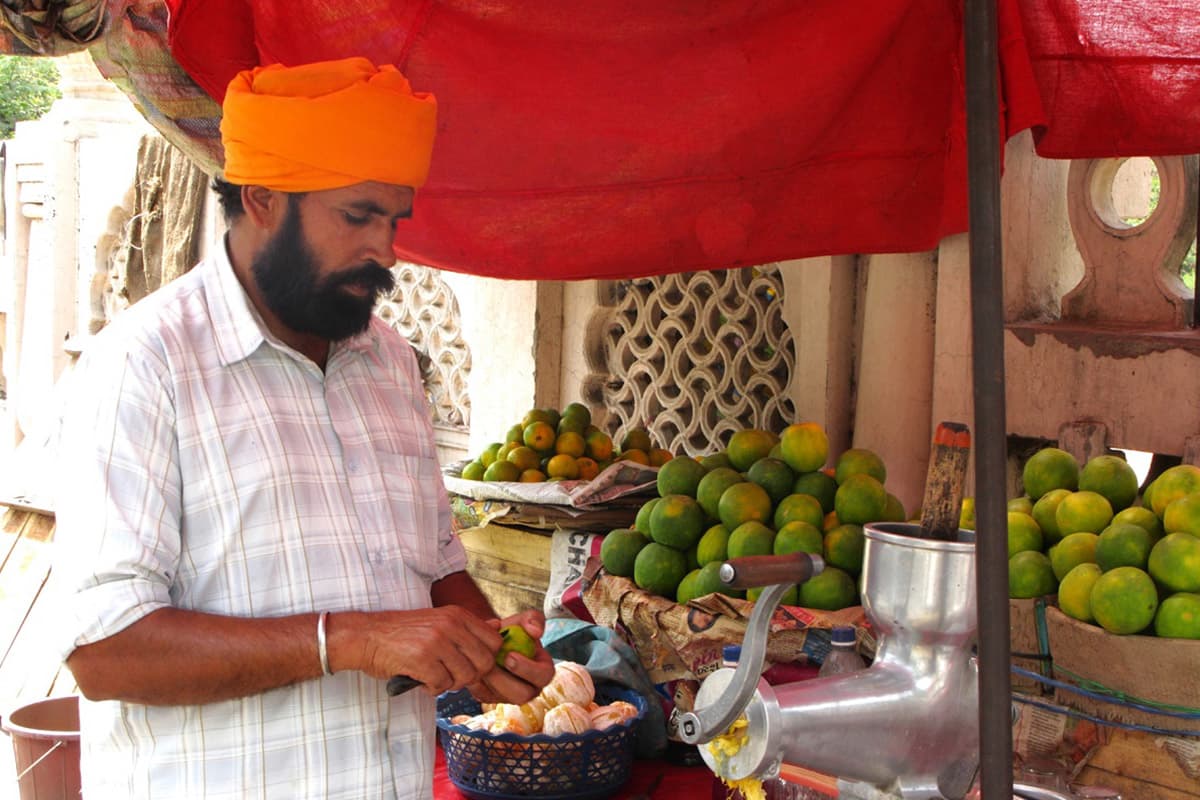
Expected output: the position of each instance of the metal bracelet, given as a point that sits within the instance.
(322, 651)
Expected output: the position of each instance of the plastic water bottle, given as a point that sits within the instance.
(842, 656)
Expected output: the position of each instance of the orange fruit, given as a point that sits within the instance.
(844, 547)
(860, 499)
(659, 456)
(523, 457)
(1173, 484)
(830, 522)
(659, 569)
(1047, 469)
(1178, 617)
(642, 520)
(1023, 533)
(743, 502)
(571, 444)
(473, 471)
(636, 456)
(539, 436)
(1074, 549)
(532, 476)
(563, 466)
(588, 468)
(619, 549)
(1075, 592)
(713, 545)
(773, 475)
(1045, 510)
(799, 537)
(804, 446)
(1030, 575)
(1089, 512)
(578, 412)
(1022, 504)
(747, 446)
(818, 484)
(1175, 562)
(1144, 517)
(515, 434)
(1183, 515)
(893, 509)
(1123, 544)
(679, 476)
(966, 515)
(569, 425)
(502, 471)
(750, 539)
(712, 486)
(859, 461)
(677, 521)
(791, 597)
(1124, 600)
(489, 453)
(539, 415)
(637, 439)
(1112, 477)
(714, 460)
(599, 445)
(798, 508)
(833, 589)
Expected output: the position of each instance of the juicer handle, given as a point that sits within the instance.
(750, 571)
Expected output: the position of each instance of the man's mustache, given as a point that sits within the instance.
(371, 275)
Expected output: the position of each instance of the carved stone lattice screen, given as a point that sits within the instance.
(424, 310)
(694, 357)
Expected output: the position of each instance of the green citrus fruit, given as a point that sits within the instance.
(577, 412)
(893, 509)
(819, 485)
(747, 446)
(713, 545)
(637, 439)
(1173, 484)
(804, 446)
(831, 590)
(798, 508)
(790, 598)
(1048, 469)
(677, 521)
(1045, 511)
(744, 502)
(689, 588)
(515, 639)
(489, 453)
(860, 499)
(712, 486)
(1023, 504)
(680, 476)
(642, 520)
(1088, 512)
(1143, 517)
(502, 470)
(799, 537)
(844, 547)
(1178, 616)
(1030, 575)
(1023, 533)
(659, 569)
(966, 514)
(773, 475)
(474, 471)
(710, 581)
(1183, 515)
(1175, 562)
(1123, 544)
(751, 539)
(1112, 477)
(619, 550)
(714, 460)
(1073, 549)
(1124, 600)
(859, 461)
(1075, 592)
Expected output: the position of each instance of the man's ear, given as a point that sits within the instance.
(264, 207)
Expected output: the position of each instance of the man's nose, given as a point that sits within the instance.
(378, 246)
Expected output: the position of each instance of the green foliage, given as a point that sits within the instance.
(28, 86)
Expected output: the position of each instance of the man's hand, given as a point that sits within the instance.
(521, 678)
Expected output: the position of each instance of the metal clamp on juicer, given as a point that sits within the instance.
(907, 724)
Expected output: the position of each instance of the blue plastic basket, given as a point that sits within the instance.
(490, 766)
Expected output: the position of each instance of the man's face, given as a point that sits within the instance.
(323, 270)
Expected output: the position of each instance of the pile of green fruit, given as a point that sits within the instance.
(764, 494)
(1127, 564)
(549, 445)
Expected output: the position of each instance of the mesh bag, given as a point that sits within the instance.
(581, 767)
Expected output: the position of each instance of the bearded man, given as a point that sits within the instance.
(255, 536)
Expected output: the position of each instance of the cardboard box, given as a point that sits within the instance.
(676, 642)
(1136, 669)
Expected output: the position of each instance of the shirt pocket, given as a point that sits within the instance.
(414, 486)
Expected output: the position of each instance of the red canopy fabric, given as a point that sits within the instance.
(624, 138)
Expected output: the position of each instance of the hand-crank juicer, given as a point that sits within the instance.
(907, 724)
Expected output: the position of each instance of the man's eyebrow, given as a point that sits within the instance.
(371, 207)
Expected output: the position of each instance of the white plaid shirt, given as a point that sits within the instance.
(208, 466)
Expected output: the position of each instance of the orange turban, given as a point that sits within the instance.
(326, 125)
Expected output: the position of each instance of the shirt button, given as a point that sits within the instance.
(353, 465)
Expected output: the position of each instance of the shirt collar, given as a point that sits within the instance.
(238, 327)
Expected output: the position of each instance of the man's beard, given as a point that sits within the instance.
(286, 274)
